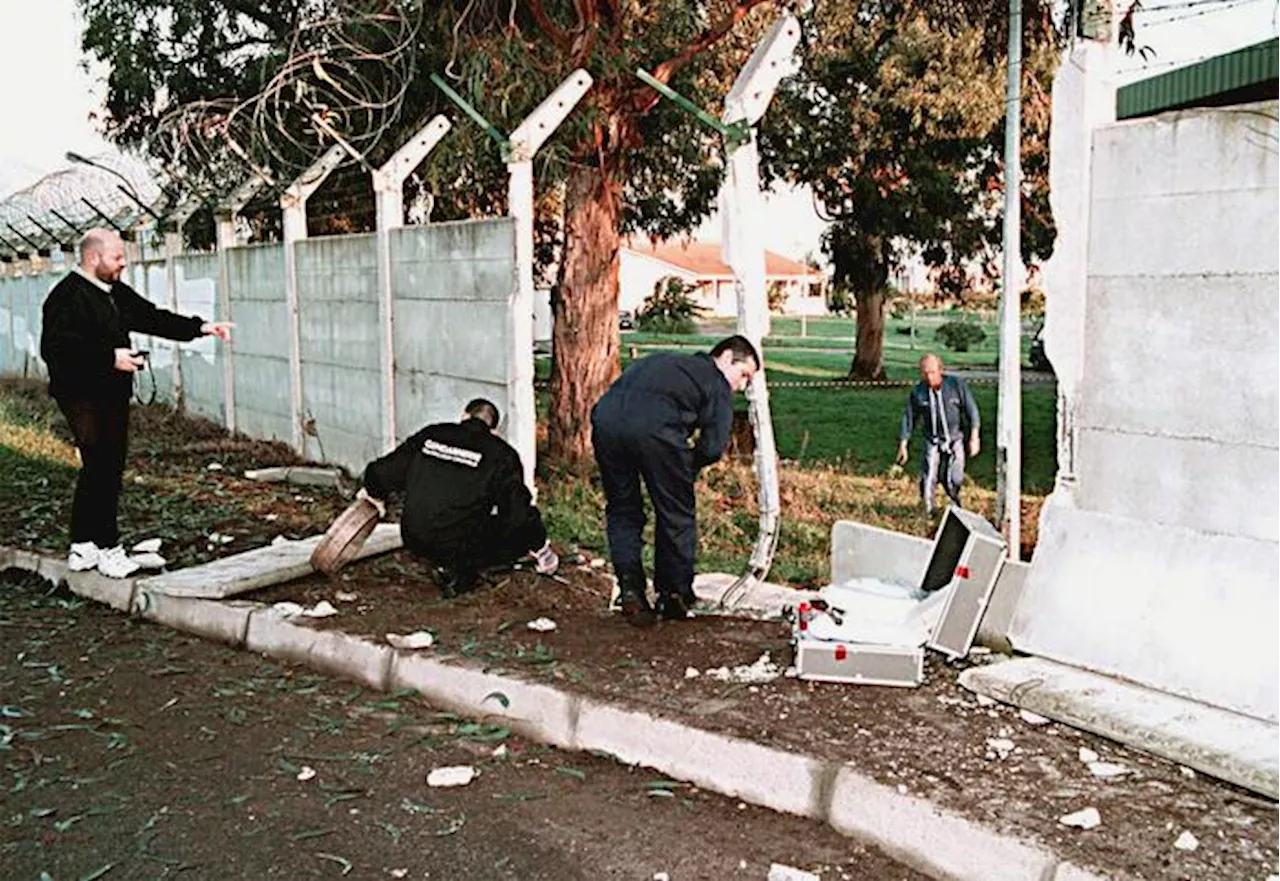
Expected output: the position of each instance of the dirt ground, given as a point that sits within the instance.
(131, 751)
(934, 741)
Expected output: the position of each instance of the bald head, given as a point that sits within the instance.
(931, 370)
(102, 255)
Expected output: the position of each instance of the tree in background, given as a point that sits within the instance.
(624, 161)
(896, 122)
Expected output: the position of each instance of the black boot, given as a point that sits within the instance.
(454, 581)
(633, 601)
(677, 606)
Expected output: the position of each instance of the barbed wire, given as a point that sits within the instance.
(344, 77)
(56, 209)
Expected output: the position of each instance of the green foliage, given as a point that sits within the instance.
(840, 301)
(669, 309)
(958, 336)
(896, 123)
(777, 295)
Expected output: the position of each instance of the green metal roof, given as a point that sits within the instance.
(1248, 74)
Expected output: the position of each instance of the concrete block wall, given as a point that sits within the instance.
(452, 290)
(451, 285)
(202, 377)
(341, 345)
(261, 354)
(1159, 563)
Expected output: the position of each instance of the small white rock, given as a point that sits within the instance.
(1188, 773)
(1186, 841)
(1032, 718)
(149, 546)
(661, 876)
(322, 609)
(1107, 769)
(451, 775)
(1087, 755)
(306, 773)
(279, 540)
(1089, 818)
(1001, 745)
(500, 751)
(343, 596)
(542, 625)
(398, 873)
(597, 562)
(984, 701)
(271, 518)
(213, 466)
(902, 789)
(419, 639)
(779, 872)
(691, 673)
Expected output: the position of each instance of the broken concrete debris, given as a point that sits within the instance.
(1089, 818)
(451, 775)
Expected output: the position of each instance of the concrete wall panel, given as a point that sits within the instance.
(1159, 563)
(262, 387)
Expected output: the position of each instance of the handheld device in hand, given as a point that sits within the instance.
(142, 353)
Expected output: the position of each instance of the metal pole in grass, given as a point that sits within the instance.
(1009, 415)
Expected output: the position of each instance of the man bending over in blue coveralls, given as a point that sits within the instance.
(665, 418)
(946, 412)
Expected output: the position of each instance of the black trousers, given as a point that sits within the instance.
(486, 545)
(100, 427)
(667, 473)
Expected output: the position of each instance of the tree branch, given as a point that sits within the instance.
(549, 28)
(643, 98)
(712, 35)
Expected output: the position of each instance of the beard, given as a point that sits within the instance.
(107, 276)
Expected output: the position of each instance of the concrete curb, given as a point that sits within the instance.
(931, 839)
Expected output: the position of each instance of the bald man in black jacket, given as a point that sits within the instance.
(85, 344)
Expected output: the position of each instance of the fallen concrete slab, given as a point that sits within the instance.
(1230, 746)
(300, 475)
(258, 568)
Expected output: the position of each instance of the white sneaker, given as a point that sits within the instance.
(115, 563)
(84, 556)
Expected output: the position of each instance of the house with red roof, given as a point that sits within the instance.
(644, 263)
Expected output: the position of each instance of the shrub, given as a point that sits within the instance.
(840, 301)
(777, 295)
(958, 336)
(669, 309)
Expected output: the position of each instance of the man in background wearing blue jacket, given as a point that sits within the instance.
(665, 418)
(946, 412)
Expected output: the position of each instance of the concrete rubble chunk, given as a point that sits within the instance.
(419, 639)
(300, 476)
(452, 775)
(1089, 818)
(1107, 770)
(1186, 841)
(779, 872)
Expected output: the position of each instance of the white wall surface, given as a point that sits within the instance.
(1160, 565)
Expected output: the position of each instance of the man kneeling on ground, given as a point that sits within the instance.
(466, 508)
